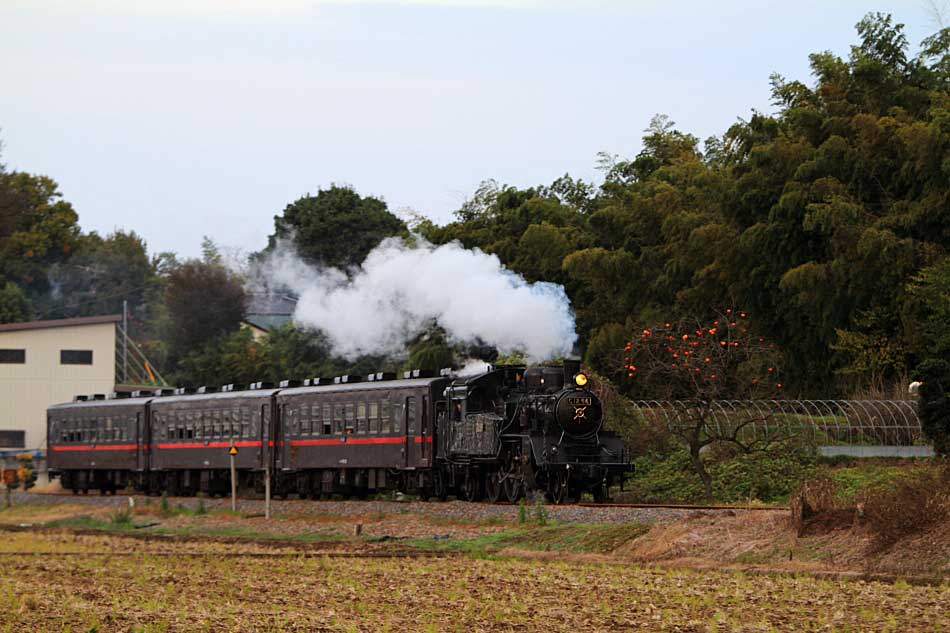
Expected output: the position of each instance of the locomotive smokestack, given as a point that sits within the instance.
(572, 366)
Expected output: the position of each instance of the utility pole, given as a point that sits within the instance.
(125, 341)
(232, 452)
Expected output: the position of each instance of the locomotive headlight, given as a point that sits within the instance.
(580, 380)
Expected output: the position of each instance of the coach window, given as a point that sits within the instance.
(244, 420)
(294, 420)
(384, 413)
(398, 412)
(315, 420)
(361, 424)
(411, 415)
(350, 417)
(327, 419)
(107, 435)
(374, 417)
(337, 417)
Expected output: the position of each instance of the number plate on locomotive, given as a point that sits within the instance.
(579, 401)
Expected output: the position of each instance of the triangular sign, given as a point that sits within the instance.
(233, 450)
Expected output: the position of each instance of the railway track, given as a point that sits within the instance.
(503, 504)
(673, 506)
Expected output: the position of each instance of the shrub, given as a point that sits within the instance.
(917, 500)
(121, 517)
(768, 477)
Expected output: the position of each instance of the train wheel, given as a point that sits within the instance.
(440, 489)
(599, 492)
(493, 487)
(558, 487)
(513, 487)
(472, 489)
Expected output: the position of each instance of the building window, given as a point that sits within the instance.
(16, 356)
(12, 439)
(75, 357)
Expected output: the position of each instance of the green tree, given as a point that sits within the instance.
(37, 229)
(14, 306)
(204, 301)
(337, 227)
(100, 275)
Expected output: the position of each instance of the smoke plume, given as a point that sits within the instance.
(401, 289)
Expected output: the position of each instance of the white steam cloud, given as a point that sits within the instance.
(401, 289)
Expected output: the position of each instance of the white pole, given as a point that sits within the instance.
(233, 480)
(125, 341)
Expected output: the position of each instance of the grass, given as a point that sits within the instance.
(597, 538)
(850, 480)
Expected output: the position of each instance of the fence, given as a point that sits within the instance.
(859, 427)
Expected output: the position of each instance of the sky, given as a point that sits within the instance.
(206, 118)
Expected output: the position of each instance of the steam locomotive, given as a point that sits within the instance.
(504, 433)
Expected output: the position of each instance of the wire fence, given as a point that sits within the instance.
(819, 422)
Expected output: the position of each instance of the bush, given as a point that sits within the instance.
(737, 477)
(121, 517)
(917, 500)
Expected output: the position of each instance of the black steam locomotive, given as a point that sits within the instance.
(504, 433)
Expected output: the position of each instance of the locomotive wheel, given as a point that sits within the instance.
(558, 487)
(493, 487)
(439, 488)
(513, 487)
(472, 489)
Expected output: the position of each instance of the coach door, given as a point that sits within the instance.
(141, 442)
(425, 445)
(268, 452)
(409, 427)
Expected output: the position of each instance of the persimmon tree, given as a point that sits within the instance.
(699, 366)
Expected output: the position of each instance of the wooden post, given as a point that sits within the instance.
(267, 490)
(232, 454)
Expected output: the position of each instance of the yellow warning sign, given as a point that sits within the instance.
(232, 450)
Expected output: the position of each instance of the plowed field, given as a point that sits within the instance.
(59, 582)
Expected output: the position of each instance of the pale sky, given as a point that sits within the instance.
(183, 119)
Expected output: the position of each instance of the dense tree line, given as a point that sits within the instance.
(828, 221)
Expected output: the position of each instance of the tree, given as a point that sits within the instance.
(700, 364)
(337, 227)
(100, 275)
(14, 306)
(37, 229)
(934, 409)
(205, 301)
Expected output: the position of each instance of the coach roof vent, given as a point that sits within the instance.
(419, 373)
(137, 394)
(382, 375)
(227, 388)
(343, 380)
(261, 385)
(163, 392)
(289, 384)
(80, 398)
(445, 371)
(98, 396)
(206, 389)
(118, 395)
(184, 391)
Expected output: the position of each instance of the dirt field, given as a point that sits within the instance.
(75, 564)
(59, 582)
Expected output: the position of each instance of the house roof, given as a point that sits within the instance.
(267, 322)
(271, 304)
(54, 323)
